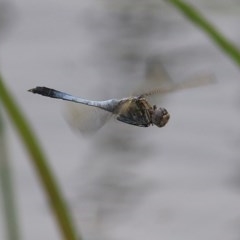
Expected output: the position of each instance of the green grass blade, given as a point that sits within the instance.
(39, 161)
(224, 44)
(6, 185)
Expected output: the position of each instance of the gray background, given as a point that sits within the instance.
(124, 182)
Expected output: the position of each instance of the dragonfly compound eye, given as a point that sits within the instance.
(160, 117)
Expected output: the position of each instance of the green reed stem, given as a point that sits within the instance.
(39, 161)
(223, 43)
(7, 189)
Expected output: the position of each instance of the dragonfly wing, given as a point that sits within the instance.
(187, 84)
(156, 76)
(86, 119)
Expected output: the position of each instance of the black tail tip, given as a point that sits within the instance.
(31, 90)
(34, 90)
(39, 90)
(49, 92)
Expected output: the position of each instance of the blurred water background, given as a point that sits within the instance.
(124, 182)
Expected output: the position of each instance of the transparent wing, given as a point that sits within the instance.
(155, 77)
(190, 83)
(86, 119)
(158, 79)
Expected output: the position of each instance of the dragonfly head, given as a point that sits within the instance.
(160, 117)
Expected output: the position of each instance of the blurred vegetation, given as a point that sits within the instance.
(39, 161)
(219, 39)
(6, 185)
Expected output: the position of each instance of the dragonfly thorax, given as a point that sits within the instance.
(160, 116)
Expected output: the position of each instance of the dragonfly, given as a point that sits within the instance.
(134, 110)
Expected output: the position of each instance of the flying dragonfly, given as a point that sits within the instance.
(135, 110)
